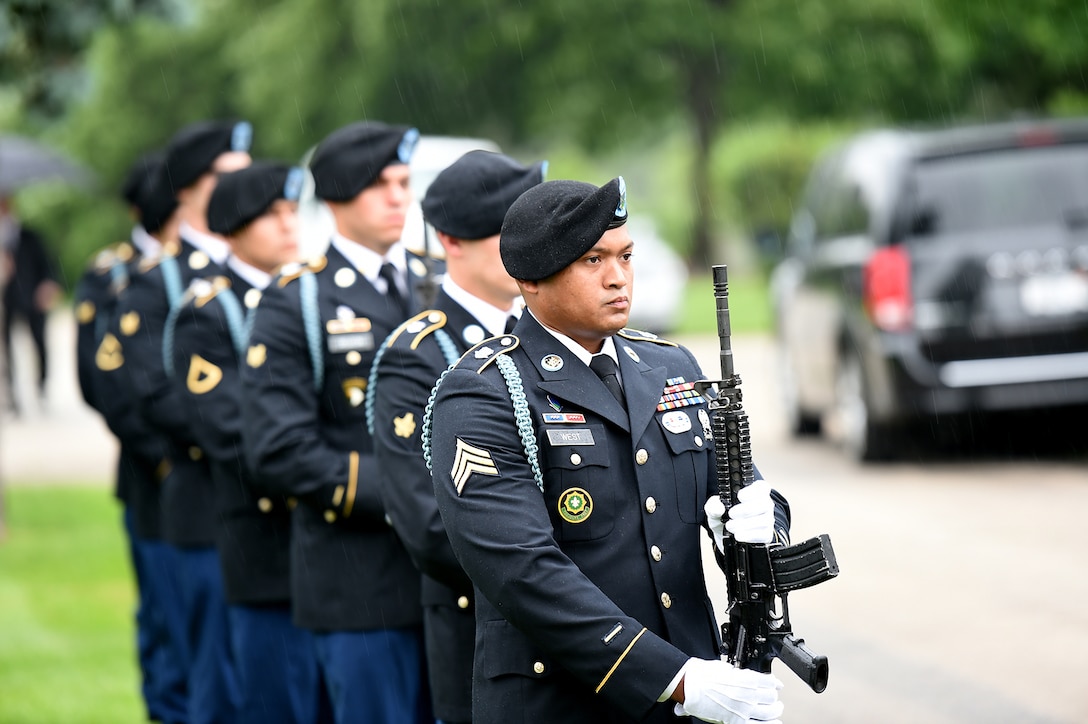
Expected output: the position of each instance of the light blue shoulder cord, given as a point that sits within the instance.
(171, 276)
(239, 323)
(521, 416)
(445, 343)
(118, 280)
(311, 322)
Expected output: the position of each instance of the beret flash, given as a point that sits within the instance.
(351, 158)
(553, 224)
(192, 151)
(470, 198)
(241, 196)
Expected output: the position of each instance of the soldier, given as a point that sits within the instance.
(465, 204)
(571, 467)
(139, 472)
(194, 157)
(255, 209)
(352, 582)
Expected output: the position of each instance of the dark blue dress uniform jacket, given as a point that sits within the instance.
(99, 357)
(188, 513)
(253, 535)
(349, 570)
(403, 380)
(592, 592)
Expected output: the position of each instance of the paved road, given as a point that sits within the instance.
(964, 578)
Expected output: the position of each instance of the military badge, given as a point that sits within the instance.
(631, 353)
(198, 260)
(85, 311)
(470, 459)
(344, 278)
(252, 298)
(130, 323)
(203, 375)
(256, 355)
(417, 267)
(108, 357)
(552, 363)
(355, 390)
(404, 426)
(473, 334)
(676, 422)
(575, 505)
(484, 352)
(561, 417)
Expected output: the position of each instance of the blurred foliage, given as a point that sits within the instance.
(711, 108)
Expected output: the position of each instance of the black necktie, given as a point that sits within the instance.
(605, 368)
(388, 272)
(510, 322)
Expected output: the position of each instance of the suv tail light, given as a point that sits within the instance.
(886, 293)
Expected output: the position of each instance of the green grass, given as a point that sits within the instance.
(749, 306)
(67, 648)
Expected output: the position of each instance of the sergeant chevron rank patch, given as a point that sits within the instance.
(468, 460)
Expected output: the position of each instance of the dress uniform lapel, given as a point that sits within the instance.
(642, 386)
(458, 322)
(353, 289)
(571, 381)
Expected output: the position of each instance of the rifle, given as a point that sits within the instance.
(759, 576)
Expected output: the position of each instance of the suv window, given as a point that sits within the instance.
(1011, 188)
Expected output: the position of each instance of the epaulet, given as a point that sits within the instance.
(170, 248)
(293, 270)
(202, 291)
(103, 261)
(418, 327)
(486, 352)
(637, 335)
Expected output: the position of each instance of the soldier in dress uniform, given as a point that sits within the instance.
(571, 467)
(194, 157)
(255, 209)
(304, 383)
(465, 204)
(139, 464)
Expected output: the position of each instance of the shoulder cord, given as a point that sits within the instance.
(171, 276)
(449, 352)
(118, 281)
(521, 416)
(311, 322)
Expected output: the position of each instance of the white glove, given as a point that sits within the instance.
(751, 519)
(716, 691)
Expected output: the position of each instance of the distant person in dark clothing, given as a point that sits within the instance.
(30, 290)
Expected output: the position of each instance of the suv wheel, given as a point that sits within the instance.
(861, 438)
(799, 422)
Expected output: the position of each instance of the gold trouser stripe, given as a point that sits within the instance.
(353, 481)
(620, 659)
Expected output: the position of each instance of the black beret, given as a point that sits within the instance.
(553, 224)
(470, 198)
(139, 172)
(351, 158)
(192, 151)
(157, 200)
(241, 196)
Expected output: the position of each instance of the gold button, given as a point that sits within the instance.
(698, 441)
(195, 453)
(651, 504)
(642, 456)
(353, 357)
(291, 503)
(575, 459)
(655, 552)
(666, 600)
(252, 298)
(330, 516)
(264, 504)
(538, 667)
(462, 602)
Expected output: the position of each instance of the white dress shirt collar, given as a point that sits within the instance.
(216, 249)
(493, 318)
(581, 352)
(369, 263)
(144, 242)
(255, 277)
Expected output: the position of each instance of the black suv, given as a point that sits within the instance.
(934, 273)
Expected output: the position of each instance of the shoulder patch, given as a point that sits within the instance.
(170, 248)
(483, 354)
(636, 335)
(293, 270)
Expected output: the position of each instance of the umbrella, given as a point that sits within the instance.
(24, 162)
